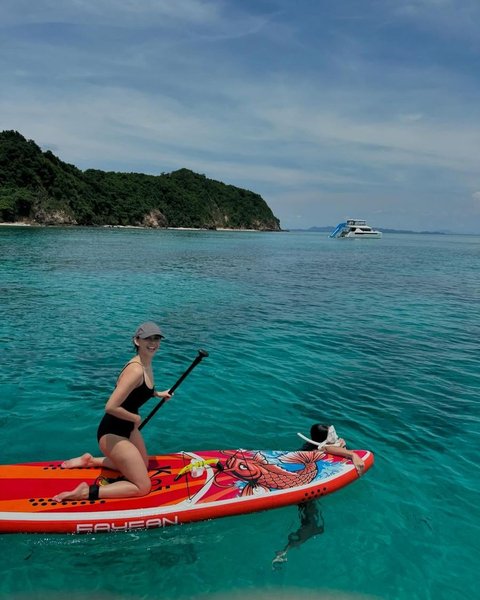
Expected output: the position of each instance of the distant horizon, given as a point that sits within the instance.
(313, 229)
(327, 228)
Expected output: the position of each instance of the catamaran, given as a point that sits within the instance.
(355, 228)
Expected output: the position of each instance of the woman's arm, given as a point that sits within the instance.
(130, 378)
(357, 461)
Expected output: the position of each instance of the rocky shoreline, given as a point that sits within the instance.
(53, 225)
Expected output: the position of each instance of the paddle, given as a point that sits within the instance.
(201, 354)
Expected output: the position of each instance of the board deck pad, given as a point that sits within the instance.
(186, 486)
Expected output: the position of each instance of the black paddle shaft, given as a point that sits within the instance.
(201, 354)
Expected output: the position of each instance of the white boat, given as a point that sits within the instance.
(355, 228)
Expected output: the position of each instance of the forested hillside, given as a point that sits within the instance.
(38, 187)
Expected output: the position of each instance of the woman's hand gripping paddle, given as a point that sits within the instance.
(201, 354)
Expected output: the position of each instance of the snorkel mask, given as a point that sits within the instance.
(332, 439)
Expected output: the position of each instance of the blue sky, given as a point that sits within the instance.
(327, 108)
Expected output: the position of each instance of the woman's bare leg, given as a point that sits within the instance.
(130, 463)
(137, 440)
(79, 493)
(87, 460)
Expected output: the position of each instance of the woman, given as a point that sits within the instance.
(118, 435)
(323, 437)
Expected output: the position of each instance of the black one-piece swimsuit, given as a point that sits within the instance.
(122, 427)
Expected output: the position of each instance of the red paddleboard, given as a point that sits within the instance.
(186, 486)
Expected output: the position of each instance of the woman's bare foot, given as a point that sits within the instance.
(82, 461)
(79, 493)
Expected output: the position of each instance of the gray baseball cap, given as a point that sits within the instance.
(147, 329)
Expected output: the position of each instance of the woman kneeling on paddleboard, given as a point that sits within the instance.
(118, 435)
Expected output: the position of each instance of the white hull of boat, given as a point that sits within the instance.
(362, 235)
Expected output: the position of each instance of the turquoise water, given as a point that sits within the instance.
(380, 338)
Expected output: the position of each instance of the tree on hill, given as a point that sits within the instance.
(39, 187)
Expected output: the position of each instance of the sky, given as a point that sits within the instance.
(327, 108)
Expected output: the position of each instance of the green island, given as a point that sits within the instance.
(36, 187)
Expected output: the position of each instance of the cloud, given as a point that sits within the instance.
(450, 21)
(411, 118)
(161, 121)
(207, 19)
(108, 12)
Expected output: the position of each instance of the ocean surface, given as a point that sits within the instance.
(379, 337)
